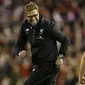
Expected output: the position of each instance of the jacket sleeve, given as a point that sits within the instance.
(20, 44)
(61, 37)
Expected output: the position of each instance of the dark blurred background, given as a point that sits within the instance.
(69, 16)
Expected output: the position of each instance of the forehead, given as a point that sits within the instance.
(32, 12)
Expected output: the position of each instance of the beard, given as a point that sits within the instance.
(33, 23)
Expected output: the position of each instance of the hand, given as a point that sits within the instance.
(59, 61)
(82, 80)
(22, 53)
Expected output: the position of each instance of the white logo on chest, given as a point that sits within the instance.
(27, 31)
(40, 34)
(41, 31)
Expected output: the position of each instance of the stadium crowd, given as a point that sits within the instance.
(69, 18)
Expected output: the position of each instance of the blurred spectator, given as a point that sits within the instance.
(6, 81)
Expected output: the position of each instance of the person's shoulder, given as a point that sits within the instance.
(48, 21)
(24, 24)
(48, 24)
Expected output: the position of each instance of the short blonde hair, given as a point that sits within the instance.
(30, 6)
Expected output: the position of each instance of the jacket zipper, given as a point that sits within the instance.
(33, 36)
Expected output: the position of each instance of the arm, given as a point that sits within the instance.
(81, 80)
(24, 53)
(61, 37)
(21, 41)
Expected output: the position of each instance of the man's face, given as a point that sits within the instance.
(33, 17)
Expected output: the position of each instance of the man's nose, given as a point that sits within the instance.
(33, 18)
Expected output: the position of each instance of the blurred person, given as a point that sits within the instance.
(58, 19)
(44, 12)
(26, 67)
(37, 39)
(19, 82)
(82, 70)
(5, 64)
(6, 81)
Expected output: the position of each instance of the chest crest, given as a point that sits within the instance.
(27, 30)
(40, 35)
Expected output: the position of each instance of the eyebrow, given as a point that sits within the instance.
(32, 15)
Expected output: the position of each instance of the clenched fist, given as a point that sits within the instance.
(22, 54)
(59, 59)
